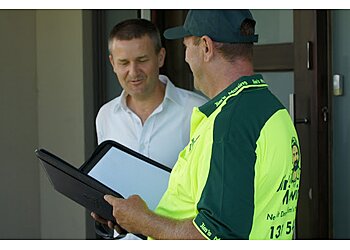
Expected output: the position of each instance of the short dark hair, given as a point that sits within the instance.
(135, 28)
(232, 51)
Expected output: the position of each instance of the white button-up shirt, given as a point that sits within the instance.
(165, 132)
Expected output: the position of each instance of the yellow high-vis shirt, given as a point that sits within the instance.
(239, 175)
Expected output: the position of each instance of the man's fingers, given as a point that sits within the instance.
(110, 224)
(98, 218)
(93, 215)
(110, 199)
(118, 229)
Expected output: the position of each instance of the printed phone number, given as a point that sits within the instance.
(278, 231)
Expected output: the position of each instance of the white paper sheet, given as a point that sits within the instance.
(129, 175)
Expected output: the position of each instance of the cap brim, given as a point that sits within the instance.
(176, 33)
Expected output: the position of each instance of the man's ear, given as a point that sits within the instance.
(111, 60)
(208, 48)
(161, 57)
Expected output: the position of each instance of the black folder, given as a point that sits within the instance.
(78, 185)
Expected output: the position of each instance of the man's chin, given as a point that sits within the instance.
(195, 85)
(136, 89)
(137, 94)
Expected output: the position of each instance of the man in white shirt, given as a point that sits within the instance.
(151, 116)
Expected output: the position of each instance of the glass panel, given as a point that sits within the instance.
(281, 84)
(274, 26)
(341, 125)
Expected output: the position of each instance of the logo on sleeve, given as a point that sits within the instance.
(193, 141)
(290, 183)
(296, 165)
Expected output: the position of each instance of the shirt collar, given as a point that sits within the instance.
(120, 102)
(234, 88)
(170, 90)
(170, 93)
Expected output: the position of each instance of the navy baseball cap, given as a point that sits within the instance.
(220, 25)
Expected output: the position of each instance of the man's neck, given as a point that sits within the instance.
(224, 74)
(144, 107)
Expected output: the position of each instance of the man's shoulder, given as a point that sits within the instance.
(191, 97)
(183, 96)
(110, 105)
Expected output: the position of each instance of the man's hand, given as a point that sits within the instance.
(110, 224)
(131, 214)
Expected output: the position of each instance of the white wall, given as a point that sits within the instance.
(19, 171)
(60, 113)
(41, 105)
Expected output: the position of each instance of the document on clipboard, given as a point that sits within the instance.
(129, 172)
(112, 169)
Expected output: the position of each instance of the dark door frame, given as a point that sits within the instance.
(312, 70)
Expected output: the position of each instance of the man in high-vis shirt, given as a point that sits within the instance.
(239, 175)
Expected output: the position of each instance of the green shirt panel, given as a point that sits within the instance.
(226, 207)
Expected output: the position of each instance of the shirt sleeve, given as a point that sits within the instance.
(226, 206)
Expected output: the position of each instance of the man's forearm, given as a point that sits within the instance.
(133, 215)
(158, 227)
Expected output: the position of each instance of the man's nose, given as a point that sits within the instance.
(134, 69)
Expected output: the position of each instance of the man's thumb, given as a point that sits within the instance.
(108, 198)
